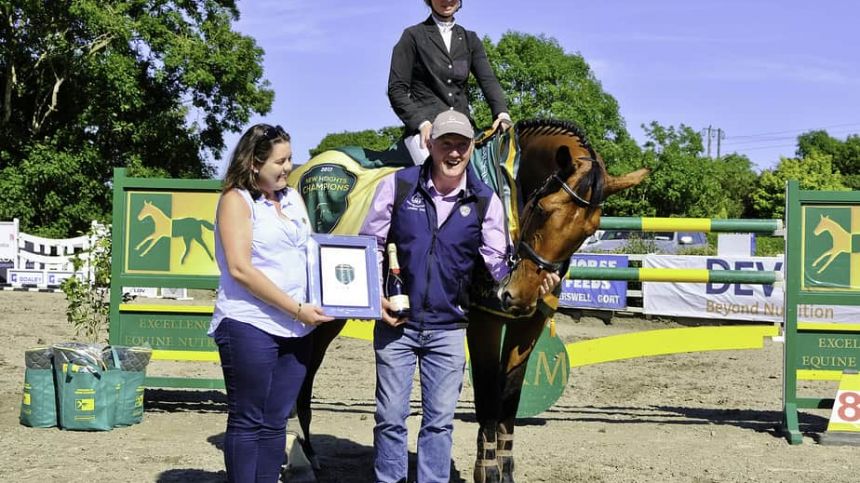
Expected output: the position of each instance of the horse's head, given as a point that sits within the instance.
(822, 225)
(561, 211)
(145, 211)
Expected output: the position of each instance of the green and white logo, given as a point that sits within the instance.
(831, 247)
(170, 233)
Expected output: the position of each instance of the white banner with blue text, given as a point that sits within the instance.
(730, 301)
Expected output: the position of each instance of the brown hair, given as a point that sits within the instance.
(251, 152)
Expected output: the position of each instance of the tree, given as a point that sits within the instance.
(737, 179)
(540, 80)
(682, 181)
(814, 172)
(377, 140)
(88, 85)
(845, 154)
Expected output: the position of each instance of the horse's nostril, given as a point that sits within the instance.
(506, 299)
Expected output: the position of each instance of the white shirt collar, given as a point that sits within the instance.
(444, 26)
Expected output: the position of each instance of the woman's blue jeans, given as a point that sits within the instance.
(441, 359)
(263, 374)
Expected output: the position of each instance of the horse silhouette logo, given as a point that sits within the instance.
(190, 229)
(841, 241)
(344, 273)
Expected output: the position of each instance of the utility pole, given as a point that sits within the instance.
(720, 136)
(710, 133)
(707, 133)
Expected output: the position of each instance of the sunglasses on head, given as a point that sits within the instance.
(273, 132)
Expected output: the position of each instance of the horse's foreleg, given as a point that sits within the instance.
(484, 337)
(142, 242)
(520, 340)
(323, 335)
(829, 261)
(823, 255)
(153, 240)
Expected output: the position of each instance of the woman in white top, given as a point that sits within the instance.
(261, 322)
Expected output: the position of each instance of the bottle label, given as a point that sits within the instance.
(399, 302)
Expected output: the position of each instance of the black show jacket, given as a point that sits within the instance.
(425, 79)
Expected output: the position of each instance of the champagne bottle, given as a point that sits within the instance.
(394, 289)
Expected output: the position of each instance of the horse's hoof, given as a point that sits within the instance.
(486, 465)
(505, 456)
(486, 471)
(506, 470)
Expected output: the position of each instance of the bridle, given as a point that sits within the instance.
(524, 250)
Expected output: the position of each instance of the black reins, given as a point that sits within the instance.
(523, 249)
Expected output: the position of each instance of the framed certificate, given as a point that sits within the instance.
(343, 276)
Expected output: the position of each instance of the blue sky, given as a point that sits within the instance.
(762, 71)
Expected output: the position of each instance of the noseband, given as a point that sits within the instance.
(524, 250)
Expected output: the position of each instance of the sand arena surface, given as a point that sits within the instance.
(706, 417)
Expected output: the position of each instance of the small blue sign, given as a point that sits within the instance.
(595, 294)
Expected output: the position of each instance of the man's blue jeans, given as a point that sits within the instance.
(441, 359)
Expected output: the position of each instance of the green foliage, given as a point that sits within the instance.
(709, 250)
(683, 182)
(67, 184)
(89, 85)
(768, 246)
(638, 246)
(377, 140)
(845, 154)
(540, 80)
(737, 180)
(814, 172)
(88, 309)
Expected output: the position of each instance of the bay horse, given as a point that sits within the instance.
(555, 203)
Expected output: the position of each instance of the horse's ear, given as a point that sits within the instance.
(614, 184)
(563, 159)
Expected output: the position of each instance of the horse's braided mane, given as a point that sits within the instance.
(551, 127)
(557, 127)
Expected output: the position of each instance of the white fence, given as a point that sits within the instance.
(34, 261)
(43, 263)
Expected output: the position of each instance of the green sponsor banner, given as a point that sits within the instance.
(822, 269)
(827, 351)
(167, 331)
(170, 233)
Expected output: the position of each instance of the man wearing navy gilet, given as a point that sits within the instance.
(443, 219)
